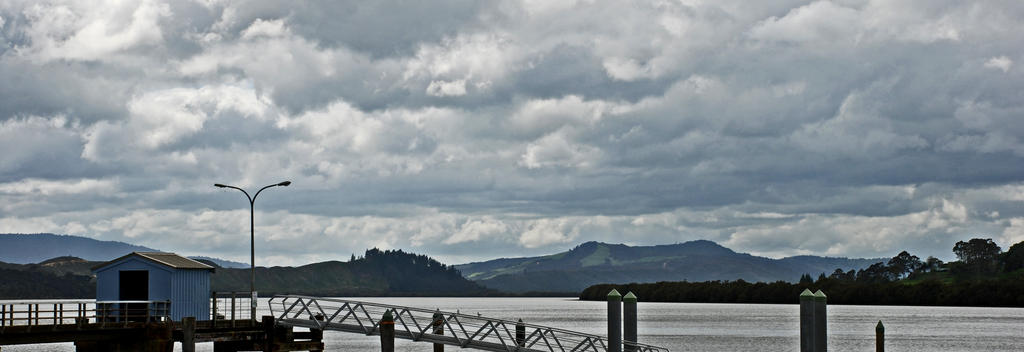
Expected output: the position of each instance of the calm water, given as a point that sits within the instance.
(722, 327)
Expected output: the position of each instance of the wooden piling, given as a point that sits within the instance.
(188, 334)
(820, 322)
(317, 335)
(520, 333)
(438, 330)
(268, 331)
(879, 337)
(387, 332)
(806, 321)
(629, 322)
(614, 321)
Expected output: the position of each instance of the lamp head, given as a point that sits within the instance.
(285, 183)
(220, 185)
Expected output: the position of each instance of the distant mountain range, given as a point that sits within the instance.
(595, 262)
(394, 272)
(60, 266)
(35, 248)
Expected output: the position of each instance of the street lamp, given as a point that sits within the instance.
(252, 239)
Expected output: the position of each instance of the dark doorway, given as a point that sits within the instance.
(134, 287)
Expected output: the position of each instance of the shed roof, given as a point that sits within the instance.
(166, 259)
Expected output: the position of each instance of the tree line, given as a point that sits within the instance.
(983, 276)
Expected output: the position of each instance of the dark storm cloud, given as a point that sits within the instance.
(380, 28)
(76, 90)
(575, 70)
(468, 129)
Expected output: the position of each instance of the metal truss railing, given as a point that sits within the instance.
(465, 331)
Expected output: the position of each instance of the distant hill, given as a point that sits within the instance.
(595, 262)
(62, 277)
(377, 273)
(222, 263)
(34, 248)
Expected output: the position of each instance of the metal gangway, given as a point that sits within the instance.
(462, 330)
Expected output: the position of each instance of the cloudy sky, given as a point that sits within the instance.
(469, 130)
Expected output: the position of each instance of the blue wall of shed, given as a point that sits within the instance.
(190, 294)
(187, 289)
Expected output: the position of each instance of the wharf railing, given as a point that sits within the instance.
(63, 312)
(231, 306)
(462, 330)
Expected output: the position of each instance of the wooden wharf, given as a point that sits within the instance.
(146, 326)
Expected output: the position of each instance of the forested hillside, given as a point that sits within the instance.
(63, 277)
(377, 273)
(984, 276)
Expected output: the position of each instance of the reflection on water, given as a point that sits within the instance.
(721, 327)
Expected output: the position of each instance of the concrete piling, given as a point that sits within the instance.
(820, 322)
(438, 330)
(614, 321)
(629, 322)
(806, 321)
(387, 332)
(879, 337)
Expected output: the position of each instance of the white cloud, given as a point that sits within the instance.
(555, 150)
(844, 235)
(855, 133)
(80, 31)
(627, 69)
(541, 7)
(472, 59)
(163, 117)
(477, 229)
(546, 232)
(1002, 63)
(447, 88)
(543, 116)
(261, 28)
(831, 24)
(818, 21)
(47, 187)
(1013, 234)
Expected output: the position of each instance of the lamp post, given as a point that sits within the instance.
(252, 239)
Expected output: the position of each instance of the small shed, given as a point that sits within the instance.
(157, 276)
